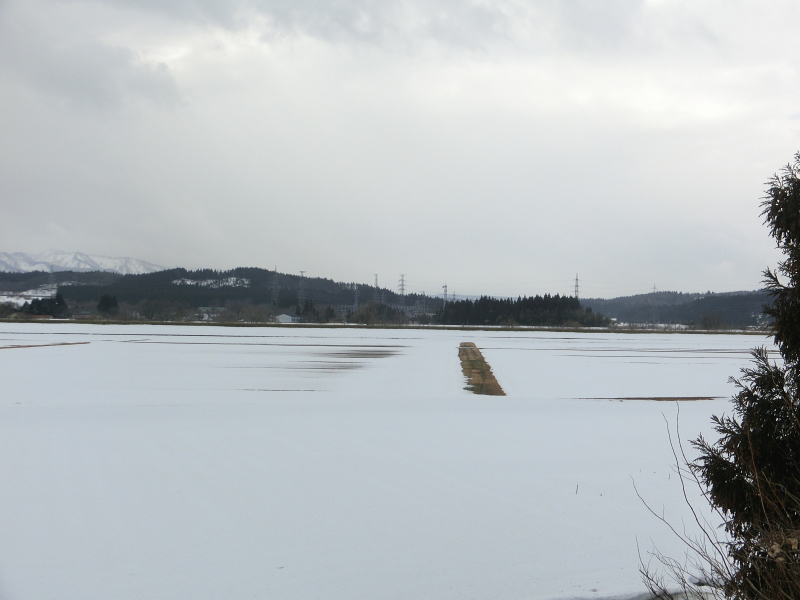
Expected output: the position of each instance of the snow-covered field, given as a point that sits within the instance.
(168, 462)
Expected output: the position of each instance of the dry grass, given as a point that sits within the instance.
(480, 379)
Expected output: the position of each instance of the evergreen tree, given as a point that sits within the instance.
(56, 307)
(537, 310)
(108, 305)
(752, 472)
(60, 309)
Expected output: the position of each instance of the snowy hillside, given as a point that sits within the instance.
(19, 262)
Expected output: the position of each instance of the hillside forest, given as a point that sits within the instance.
(253, 295)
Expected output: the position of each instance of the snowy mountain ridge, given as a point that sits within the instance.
(58, 260)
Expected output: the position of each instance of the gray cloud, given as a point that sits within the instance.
(84, 71)
(499, 147)
(584, 24)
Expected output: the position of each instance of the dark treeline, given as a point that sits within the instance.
(707, 311)
(170, 296)
(55, 307)
(20, 282)
(378, 314)
(537, 310)
(241, 294)
(160, 287)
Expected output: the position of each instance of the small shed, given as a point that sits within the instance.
(287, 318)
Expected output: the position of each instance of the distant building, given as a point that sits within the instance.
(287, 318)
(207, 313)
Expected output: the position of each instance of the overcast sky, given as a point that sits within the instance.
(499, 147)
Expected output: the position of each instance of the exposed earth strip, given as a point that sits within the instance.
(480, 379)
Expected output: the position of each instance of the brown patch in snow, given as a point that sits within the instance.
(480, 379)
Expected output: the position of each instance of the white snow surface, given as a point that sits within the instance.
(58, 260)
(167, 462)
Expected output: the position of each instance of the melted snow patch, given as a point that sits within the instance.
(20, 298)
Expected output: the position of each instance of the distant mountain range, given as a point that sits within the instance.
(57, 260)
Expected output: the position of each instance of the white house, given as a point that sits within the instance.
(287, 318)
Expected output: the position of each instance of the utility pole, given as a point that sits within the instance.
(576, 285)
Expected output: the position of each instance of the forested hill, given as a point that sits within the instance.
(537, 310)
(708, 311)
(209, 288)
(186, 290)
(174, 294)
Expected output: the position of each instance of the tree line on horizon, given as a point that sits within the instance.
(155, 296)
(534, 310)
(543, 310)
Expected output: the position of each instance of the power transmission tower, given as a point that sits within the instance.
(376, 296)
(576, 285)
(402, 286)
(444, 293)
(355, 304)
(275, 288)
(51, 282)
(301, 291)
(655, 308)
